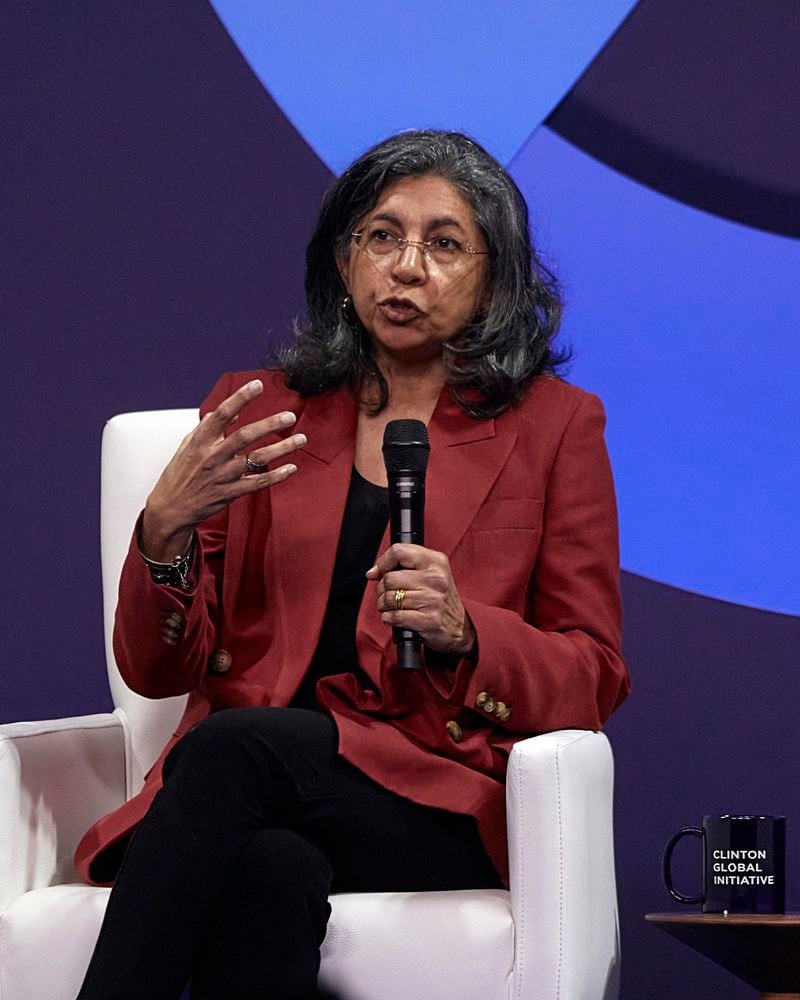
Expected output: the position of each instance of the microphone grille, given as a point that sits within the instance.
(405, 446)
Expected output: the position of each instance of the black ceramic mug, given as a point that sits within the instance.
(744, 868)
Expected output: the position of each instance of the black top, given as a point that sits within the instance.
(365, 515)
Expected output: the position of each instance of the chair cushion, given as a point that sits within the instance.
(395, 946)
(46, 941)
(419, 945)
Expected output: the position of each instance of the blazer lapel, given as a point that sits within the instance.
(306, 518)
(467, 456)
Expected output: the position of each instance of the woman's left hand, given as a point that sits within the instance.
(430, 602)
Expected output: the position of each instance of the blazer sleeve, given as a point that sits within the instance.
(149, 663)
(560, 665)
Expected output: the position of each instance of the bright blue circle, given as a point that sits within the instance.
(349, 74)
(688, 327)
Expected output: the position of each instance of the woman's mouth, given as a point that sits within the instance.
(400, 310)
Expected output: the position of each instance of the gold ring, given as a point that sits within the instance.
(399, 598)
(251, 467)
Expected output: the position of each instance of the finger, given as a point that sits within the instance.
(256, 462)
(408, 579)
(274, 452)
(399, 554)
(419, 621)
(241, 439)
(412, 600)
(213, 424)
(258, 481)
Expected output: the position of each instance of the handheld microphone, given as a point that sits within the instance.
(405, 454)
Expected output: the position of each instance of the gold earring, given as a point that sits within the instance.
(347, 310)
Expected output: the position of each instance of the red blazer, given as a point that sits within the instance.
(523, 506)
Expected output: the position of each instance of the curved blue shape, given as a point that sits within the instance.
(349, 74)
(688, 327)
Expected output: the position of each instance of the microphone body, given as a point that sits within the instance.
(405, 452)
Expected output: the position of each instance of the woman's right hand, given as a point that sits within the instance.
(210, 470)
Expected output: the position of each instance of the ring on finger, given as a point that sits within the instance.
(251, 467)
(399, 599)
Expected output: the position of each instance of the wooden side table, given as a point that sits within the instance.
(763, 949)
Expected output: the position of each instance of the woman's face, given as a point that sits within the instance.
(411, 304)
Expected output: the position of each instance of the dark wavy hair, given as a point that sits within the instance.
(490, 363)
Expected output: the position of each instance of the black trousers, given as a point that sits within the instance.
(226, 879)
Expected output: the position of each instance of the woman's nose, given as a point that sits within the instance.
(410, 264)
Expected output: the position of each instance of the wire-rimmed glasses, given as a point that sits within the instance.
(444, 251)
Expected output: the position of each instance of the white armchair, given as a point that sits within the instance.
(554, 936)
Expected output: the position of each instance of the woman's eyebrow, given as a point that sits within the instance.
(385, 217)
(445, 221)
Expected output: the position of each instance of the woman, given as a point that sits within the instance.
(306, 760)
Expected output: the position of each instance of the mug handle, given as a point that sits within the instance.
(666, 865)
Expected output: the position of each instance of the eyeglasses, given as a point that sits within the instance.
(444, 251)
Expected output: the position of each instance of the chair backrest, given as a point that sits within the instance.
(136, 447)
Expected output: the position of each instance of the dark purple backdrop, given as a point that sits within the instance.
(155, 208)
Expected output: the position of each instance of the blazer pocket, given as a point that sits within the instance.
(516, 512)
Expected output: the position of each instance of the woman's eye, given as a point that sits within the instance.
(380, 236)
(446, 243)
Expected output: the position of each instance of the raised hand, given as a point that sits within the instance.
(210, 470)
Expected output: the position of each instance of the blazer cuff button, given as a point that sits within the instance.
(456, 734)
(220, 661)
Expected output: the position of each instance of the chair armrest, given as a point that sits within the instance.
(563, 889)
(56, 779)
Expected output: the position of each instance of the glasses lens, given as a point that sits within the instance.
(377, 242)
(444, 251)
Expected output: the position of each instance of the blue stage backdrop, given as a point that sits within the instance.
(162, 168)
